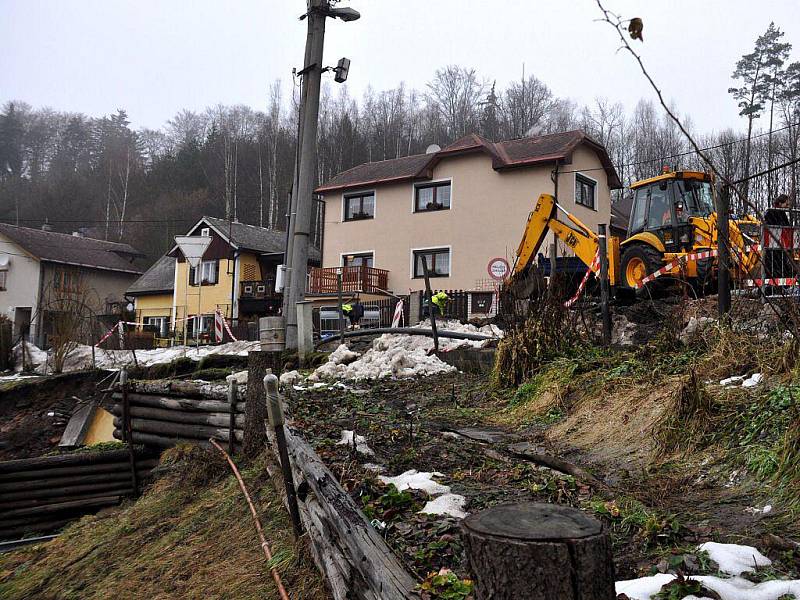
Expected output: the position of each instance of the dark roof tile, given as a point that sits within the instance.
(158, 278)
(50, 246)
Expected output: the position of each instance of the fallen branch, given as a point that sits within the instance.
(557, 464)
(275, 575)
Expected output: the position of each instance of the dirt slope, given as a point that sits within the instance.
(190, 536)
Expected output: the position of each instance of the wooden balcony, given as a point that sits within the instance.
(367, 280)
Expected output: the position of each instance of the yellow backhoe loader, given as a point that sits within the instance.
(672, 220)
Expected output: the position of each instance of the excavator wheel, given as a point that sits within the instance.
(706, 276)
(639, 261)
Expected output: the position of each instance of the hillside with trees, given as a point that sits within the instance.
(143, 186)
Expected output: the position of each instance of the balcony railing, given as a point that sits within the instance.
(354, 279)
(258, 289)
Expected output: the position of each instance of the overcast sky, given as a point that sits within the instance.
(154, 58)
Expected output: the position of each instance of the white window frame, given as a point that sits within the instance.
(447, 247)
(162, 323)
(356, 252)
(3, 280)
(574, 195)
(205, 232)
(198, 272)
(414, 185)
(343, 204)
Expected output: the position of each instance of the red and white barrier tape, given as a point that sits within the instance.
(685, 258)
(770, 281)
(592, 268)
(227, 327)
(109, 333)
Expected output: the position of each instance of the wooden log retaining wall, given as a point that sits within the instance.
(164, 413)
(40, 495)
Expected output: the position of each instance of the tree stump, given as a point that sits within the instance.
(255, 434)
(531, 551)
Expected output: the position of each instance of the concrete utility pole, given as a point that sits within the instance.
(318, 11)
(312, 78)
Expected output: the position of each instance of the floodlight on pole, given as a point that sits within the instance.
(345, 13)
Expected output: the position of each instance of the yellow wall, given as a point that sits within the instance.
(102, 428)
(211, 296)
(155, 305)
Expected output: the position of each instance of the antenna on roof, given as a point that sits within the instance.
(432, 149)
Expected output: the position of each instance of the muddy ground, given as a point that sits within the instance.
(655, 510)
(27, 429)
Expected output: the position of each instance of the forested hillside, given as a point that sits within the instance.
(144, 186)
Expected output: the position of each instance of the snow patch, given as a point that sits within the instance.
(81, 357)
(240, 377)
(399, 355)
(753, 380)
(290, 377)
(361, 442)
(446, 504)
(416, 480)
(735, 588)
(733, 558)
(746, 382)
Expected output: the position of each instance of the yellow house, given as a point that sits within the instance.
(236, 278)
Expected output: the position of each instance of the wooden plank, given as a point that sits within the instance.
(82, 458)
(71, 505)
(376, 573)
(123, 474)
(77, 426)
(77, 470)
(170, 429)
(63, 492)
(160, 441)
(187, 404)
(179, 388)
(182, 416)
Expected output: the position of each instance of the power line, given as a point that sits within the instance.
(688, 152)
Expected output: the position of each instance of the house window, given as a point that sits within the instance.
(3, 278)
(359, 206)
(438, 261)
(364, 259)
(205, 232)
(158, 324)
(431, 196)
(66, 281)
(206, 274)
(584, 191)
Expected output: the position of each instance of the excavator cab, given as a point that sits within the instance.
(671, 214)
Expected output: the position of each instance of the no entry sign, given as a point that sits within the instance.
(498, 268)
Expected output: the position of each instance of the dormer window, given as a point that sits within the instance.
(205, 232)
(432, 196)
(359, 206)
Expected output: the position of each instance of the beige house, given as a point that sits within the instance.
(44, 273)
(463, 208)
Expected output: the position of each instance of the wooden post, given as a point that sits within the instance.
(232, 416)
(339, 300)
(531, 551)
(255, 436)
(275, 412)
(429, 296)
(724, 253)
(553, 260)
(305, 330)
(604, 287)
(127, 431)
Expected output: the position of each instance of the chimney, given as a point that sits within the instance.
(47, 227)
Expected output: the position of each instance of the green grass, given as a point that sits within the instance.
(190, 536)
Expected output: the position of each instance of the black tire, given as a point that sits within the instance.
(649, 257)
(705, 280)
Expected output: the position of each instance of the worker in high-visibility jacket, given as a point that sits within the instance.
(354, 312)
(439, 301)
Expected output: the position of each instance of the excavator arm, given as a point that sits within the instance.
(544, 217)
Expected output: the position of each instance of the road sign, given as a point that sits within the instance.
(193, 247)
(498, 268)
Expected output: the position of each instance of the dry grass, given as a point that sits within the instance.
(189, 536)
(685, 422)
